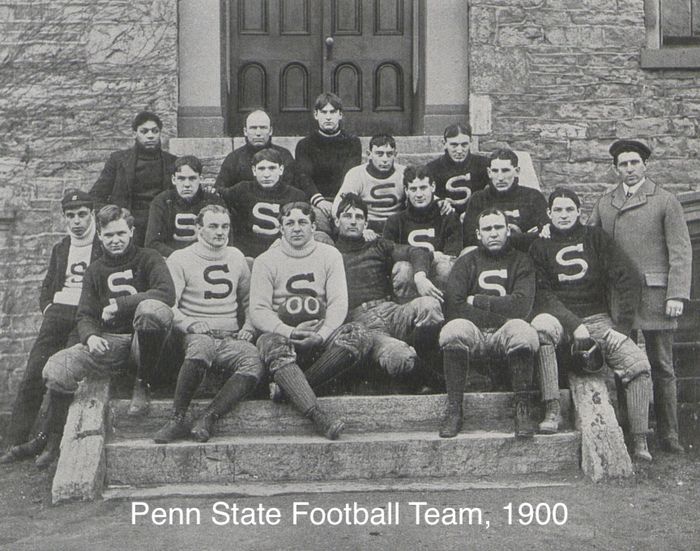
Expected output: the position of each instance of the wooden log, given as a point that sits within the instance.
(80, 472)
(603, 450)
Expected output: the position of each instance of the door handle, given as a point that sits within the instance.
(329, 46)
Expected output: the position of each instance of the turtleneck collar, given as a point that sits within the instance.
(378, 174)
(496, 254)
(306, 250)
(87, 238)
(512, 191)
(112, 260)
(571, 233)
(256, 148)
(348, 244)
(204, 250)
(324, 136)
(424, 213)
(195, 198)
(452, 163)
(143, 153)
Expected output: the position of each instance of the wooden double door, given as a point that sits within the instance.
(283, 53)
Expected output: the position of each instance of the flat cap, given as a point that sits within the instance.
(622, 146)
(75, 198)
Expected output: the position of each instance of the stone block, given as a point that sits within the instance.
(482, 25)
(590, 150)
(642, 127)
(497, 70)
(509, 36)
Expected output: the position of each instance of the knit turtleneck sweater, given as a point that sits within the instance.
(79, 254)
(148, 177)
(459, 181)
(236, 167)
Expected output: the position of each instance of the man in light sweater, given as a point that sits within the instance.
(212, 282)
(299, 300)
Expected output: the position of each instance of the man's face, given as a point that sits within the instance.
(493, 232)
(148, 135)
(328, 119)
(116, 236)
(564, 213)
(186, 182)
(631, 167)
(382, 157)
(420, 192)
(258, 129)
(457, 147)
(215, 229)
(267, 173)
(351, 222)
(297, 228)
(502, 174)
(78, 220)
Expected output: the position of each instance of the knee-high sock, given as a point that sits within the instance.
(56, 413)
(455, 363)
(188, 380)
(234, 390)
(547, 372)
(150, 347)
(334, 361)
(292, 380)
(520, 369)
(638, 396)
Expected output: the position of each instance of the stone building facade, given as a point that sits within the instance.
(558, 78)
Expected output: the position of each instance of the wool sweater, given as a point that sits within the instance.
(458, 181)
(425, 228)
(237, 166)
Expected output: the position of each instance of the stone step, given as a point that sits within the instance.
(366, 456)
(491, 411)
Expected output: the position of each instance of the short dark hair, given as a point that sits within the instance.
(351, 201)
(488, 212)
(504, 154)
(411, 173)
(456, 129)
(566, 193)
(216, 209)
(303, 206)
(380, 140)
(325, 98)
(111, 213)
(145, 116)
(188, 160)
(267, 154)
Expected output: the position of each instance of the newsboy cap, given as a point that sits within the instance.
(75, 198)
(622, 146)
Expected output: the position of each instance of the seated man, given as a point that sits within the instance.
(171, 219)
(379, 183)
(368, 265)
(211, 292)
(526, 208)
(258, 135)
(489, 295)
(459, 172)
(577, 269)
(298, 300)
(125, 309)
(131, 178)
(421, 224)
(60, 293)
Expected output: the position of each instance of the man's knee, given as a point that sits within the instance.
(353, 337)
(275, 351)
(395, 357)
(459, 333)
(153, 315)
(65, 369)
(519, 335)
(628, 362)
(427, 310)
(200, 347)
(549, 329)
(248, 361)
(402, 279)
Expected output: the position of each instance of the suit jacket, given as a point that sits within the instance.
(650, 227)
(116, 182)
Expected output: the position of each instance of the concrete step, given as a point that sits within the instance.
(367, 456)
(491, 411)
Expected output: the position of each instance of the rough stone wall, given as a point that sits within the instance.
(72, 75)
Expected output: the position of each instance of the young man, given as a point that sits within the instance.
(577, 268)
(60, 293)
(172, 215)
(258, 135)
(212, 282)
(459, 172)
(489, 294)
(299, 300)
(255, 205)
(131, 178)
(648, 224)
(526, 208)
(125, 308)
(421, 224)
(325, 156)
(379, 183)
(368, 265)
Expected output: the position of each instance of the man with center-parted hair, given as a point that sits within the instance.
(299, 300)
(124, 310)
(526, 208)
(489, 294)
(212, 283)
(172, 215)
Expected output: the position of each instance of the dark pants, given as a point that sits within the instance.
(659, 346)
(57, 332)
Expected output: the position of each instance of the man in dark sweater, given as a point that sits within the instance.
(60, 293)
(459, 172)
(368, 265)
(326, 155)
(578, 268)
(489, 294)
(526, 208)
(173, 213)
(258, 135)
(125, 308)
(421, 224)
(131, 178)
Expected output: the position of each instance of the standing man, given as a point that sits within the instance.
(172, 215)
(325, 156)
(212, 282)
(258, 135)
(60, 293)
(131, 178)
(489, 294)
(648, 224)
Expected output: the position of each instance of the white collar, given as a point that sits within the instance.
(633, 189)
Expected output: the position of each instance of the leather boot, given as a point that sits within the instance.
(26, 450)
(175, 429)
(140, 398)
(639, 448)
(452, 421)
(523, 426)
(325, 425)
(552, 417)
(51, 451)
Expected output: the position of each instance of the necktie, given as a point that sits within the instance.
(628, 194)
